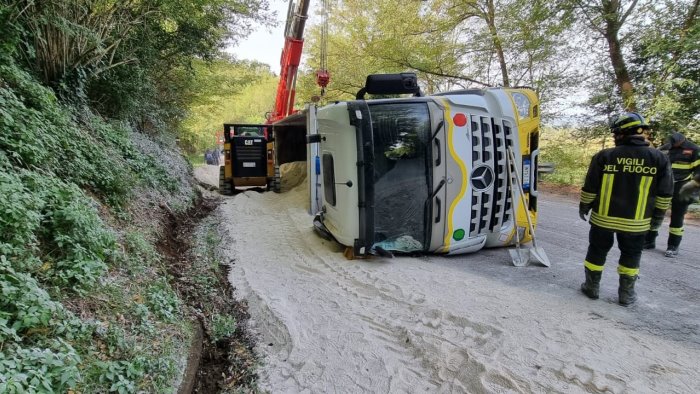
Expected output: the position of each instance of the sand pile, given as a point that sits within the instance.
(292, 174)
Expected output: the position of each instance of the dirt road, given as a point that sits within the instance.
(471, 323)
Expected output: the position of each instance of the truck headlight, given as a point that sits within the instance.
(522, 104)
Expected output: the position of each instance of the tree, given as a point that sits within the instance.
(666, 67)
(225, 91)
(129, 59)
(450, 44)
(607, 19)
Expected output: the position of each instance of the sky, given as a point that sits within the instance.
(263, 45)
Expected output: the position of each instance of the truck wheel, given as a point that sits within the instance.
(224, 185)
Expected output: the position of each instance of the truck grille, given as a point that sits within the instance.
(490, 206)
(249, 152)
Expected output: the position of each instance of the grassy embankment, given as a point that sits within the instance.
(88, 302)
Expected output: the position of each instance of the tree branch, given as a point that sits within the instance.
(627, 13)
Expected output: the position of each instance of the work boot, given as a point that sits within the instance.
(626, 290)
(591, 288)
(671, 252)
(650, 240)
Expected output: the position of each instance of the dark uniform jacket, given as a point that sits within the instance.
(685, 160)
(625, 184)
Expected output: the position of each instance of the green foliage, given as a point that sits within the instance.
(39, 370)
(42, 134)
(61, 170)
(60, 226)
(448, 43)
(163, 301)
(126, 377)
(35, 336)
(157, 77)
(138, 253)
(666, 65)
(383, 37)
(222, 326)
(225, 91)
(196, 159)
(69, 178)
(569, 154)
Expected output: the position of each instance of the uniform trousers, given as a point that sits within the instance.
(601, 241)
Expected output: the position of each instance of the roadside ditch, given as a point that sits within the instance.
(221, 357)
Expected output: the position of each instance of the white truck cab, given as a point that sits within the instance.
(424, 174)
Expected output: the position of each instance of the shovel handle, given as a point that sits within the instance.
(511, 157)
(512, 205)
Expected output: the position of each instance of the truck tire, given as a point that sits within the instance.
(225, 187)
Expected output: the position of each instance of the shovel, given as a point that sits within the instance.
(537, 254)
(519, 256)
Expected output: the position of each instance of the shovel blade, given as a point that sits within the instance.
(520, 257)
(537, 255)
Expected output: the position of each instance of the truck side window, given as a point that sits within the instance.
(328, 179)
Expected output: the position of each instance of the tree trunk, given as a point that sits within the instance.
(613, 22)
(491, 21)
(622, 77)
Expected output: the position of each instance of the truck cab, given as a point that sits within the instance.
(426, 174)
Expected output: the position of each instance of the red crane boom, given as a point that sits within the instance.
(289, 62)
(297, 13)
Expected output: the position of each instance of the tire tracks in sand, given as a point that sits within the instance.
(405, 325)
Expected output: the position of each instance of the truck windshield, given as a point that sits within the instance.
(402, 152)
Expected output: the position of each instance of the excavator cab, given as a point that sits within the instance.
(248, 157)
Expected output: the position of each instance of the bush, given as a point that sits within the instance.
(570, 156)
(36, 331)
(64, 172)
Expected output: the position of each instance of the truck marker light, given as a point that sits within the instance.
(460, 120)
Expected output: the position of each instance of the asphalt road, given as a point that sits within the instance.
(668, 288)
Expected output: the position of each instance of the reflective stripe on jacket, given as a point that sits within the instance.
(685, 161)
(625, 184)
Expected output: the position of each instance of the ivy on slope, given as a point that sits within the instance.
(60, 167)
(80, 149)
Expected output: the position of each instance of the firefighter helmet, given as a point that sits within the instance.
(629, 123)
(675, 139)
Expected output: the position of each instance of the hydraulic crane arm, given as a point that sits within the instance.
(289, 62)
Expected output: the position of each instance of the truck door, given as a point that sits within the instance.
(341, 186)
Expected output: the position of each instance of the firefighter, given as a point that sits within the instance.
(685, 164)
(628, 188)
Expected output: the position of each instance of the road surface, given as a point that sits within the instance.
(470, 323)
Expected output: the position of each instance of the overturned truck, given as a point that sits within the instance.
(417, 174)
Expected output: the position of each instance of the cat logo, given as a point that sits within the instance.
(248, 142)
